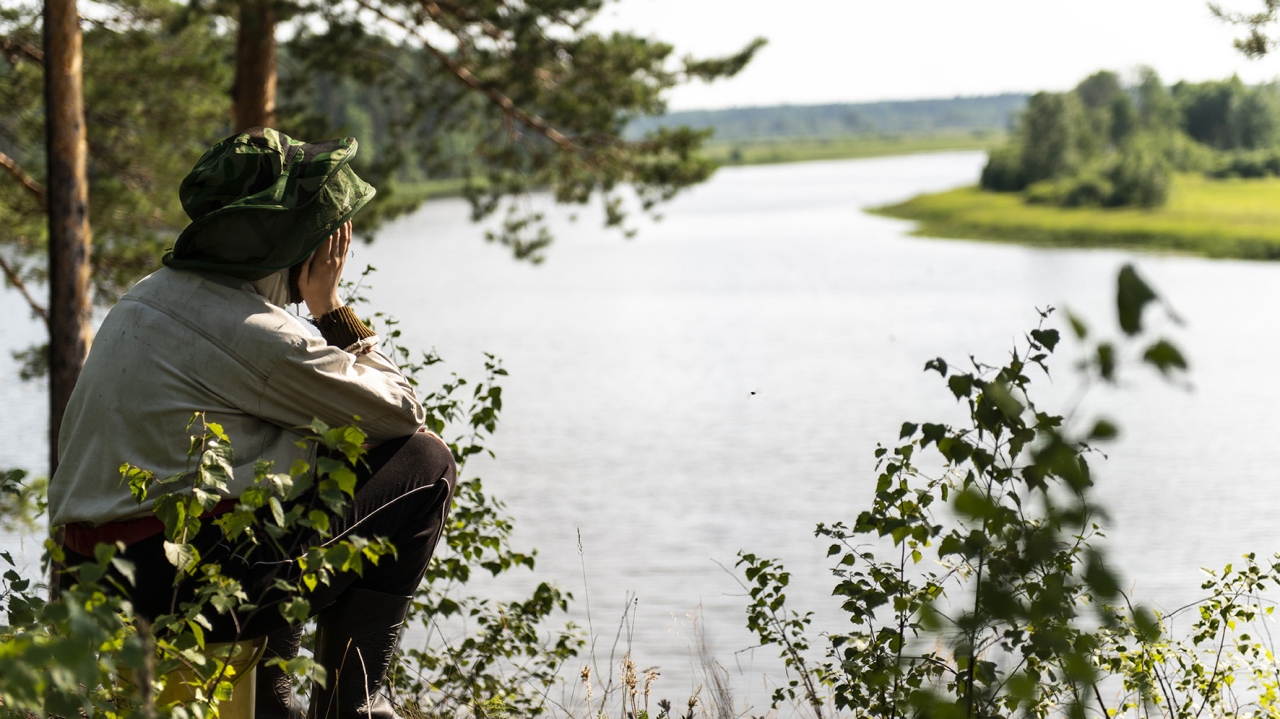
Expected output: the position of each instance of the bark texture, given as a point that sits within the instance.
(70, 309)
(254, 93)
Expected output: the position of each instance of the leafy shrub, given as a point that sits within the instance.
(64, 658)
(1250, 164)
(1185, 154)
(1013, 617)
(1140, 176)
(87, 653)
(1003, 171)
(1088, 189)
(1137, 176)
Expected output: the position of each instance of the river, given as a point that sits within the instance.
(719, 383)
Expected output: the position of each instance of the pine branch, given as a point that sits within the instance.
(35, 189)
(13, 48)
(16, 281)
(27, 181)
(465, 76)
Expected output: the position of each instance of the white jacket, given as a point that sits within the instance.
(182, 342)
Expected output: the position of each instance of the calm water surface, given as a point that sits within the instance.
(720, 382)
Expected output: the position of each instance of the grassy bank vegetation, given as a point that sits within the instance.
(1214, 218)
(431, 189)
(763, 151)
(767, 151)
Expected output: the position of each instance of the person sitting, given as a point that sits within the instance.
(208, 333)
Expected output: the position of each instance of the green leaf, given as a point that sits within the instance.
(217, 464)
(974, 504)
(1107, 361)
(1009, 405)
(908, 429)
(296, 610)
(125, 568)
(254, 497)
(1104, 430)
(1132, 296)
(198, 632)
(171, 512)
(1100, 577)
(1046, 338)
(223, 691)
(223, 603)
(961, 385)
(932, 433)
(319, 520)
(139, 480)
(182, 556)
(216, 430)
(235, 522)
(1078, 326)
(1148, 624)
(346, 480)
(1165, 357)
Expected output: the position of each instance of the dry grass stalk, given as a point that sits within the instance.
(650, 674)
(629, 682)
(586, 679)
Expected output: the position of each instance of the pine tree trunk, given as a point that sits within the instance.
(70, 309)
(254, 93)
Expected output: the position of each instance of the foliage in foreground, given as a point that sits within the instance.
(1016, 613)
(89, 654)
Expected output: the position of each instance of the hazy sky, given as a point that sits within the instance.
(860, 50)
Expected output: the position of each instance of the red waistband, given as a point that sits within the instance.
(81, 539)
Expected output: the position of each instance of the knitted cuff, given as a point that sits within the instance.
(341, 327)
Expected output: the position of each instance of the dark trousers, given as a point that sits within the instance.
(403, 493)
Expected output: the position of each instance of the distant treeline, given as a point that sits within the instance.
(1108, 145)
(873, 118)
(314, 101)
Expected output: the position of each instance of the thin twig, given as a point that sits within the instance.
(465, 76)
(1102, 705)
(591, 630)
(26, 180)
(1217, 663)
(13, 48)
(16, 281)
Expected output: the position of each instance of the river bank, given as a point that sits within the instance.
(776, 151)
(771, 151)
(1231, 218)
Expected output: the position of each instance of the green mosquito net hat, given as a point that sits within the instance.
(261, 201)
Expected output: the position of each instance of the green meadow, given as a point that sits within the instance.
(1234, 218)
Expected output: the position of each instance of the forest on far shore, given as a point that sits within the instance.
(898, 117)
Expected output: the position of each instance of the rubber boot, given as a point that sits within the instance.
(356, 639)
(274, 697)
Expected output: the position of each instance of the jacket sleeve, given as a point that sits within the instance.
(316, 380)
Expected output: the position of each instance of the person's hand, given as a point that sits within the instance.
(421, 430)
(318, 280)
(424, 430)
